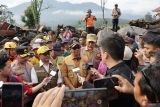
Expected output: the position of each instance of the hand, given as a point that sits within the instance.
(51, 98)
(46, 80)
(81, 79)
(139, 56)
(124, 85)
(94, 71)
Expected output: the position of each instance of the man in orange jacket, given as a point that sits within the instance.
(89, 19)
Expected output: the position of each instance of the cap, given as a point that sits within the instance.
(127, 53)
(35, 46)
(22, 51)
(9, 45)
(89, 11)
(42, 50)
(39, 40)
(91, 37)
(74, 44)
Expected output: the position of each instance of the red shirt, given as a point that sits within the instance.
(27, 88)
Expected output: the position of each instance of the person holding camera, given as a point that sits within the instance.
(116, 13)
(73, 68)
(112, 53)
(89, 19)
(146, 86)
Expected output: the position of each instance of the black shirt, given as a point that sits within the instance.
(123, 70)
(124, 100)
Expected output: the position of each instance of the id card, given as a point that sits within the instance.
(53, 73)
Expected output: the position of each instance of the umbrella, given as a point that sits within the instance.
(157, 9)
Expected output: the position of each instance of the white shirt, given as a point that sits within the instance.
(115, 14)
(46, 67)
(34, 77)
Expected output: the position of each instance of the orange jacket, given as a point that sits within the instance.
(89, 20)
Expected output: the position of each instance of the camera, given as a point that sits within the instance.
(12, 94)
(107, 82)
(88, 66)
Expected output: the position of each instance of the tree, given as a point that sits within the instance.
(6, 15)
(28, 19)
(36, 10)
(148, 17)
(34, 13)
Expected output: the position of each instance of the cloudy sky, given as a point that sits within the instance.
(134, 6)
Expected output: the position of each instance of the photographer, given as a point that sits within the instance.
(146, 86)
(89, 19)
(112, 52)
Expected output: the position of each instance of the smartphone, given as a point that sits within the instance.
(12, 95)
(107, 82)
(94, 97)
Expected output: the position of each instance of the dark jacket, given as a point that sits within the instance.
(124, 100)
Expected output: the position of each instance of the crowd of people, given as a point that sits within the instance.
(51, 60)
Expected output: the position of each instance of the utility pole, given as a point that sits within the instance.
(103, 3)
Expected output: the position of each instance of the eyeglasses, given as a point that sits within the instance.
(148, 82)
(46, 53)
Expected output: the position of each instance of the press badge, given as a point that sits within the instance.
(53, 73)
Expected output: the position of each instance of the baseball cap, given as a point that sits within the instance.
(42, 50)
(91, 37)
(9, 45)
(22, 51)
(75, 45)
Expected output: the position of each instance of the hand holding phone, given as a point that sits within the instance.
(93, 97)
(107, 82)
(124, 85)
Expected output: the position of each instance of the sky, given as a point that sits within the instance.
(133, 6)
